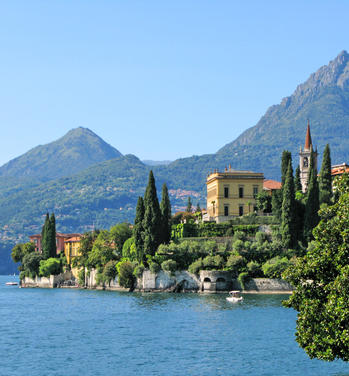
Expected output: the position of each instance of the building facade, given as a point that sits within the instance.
(304, 159)
(72, 248)
(60, 241)
(232, 193)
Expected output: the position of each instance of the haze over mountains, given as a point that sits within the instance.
(87, 182)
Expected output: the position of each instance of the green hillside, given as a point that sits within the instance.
(77, 150)
(92, 184)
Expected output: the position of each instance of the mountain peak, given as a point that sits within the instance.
(76, 150)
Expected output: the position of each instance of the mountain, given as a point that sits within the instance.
(77, 150)
(93, 184)
(323, 99)
(150, 162)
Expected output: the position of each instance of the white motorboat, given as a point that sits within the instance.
(11, 283)
(234, 297)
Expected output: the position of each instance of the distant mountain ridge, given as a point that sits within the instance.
(77, 150)
(91, 182)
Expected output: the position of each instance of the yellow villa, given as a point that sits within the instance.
(71, 248)
(232, 193)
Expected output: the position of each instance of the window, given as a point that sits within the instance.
(226, 192)
(226, 210)
(241, 192)
(255, 191)
(305, 162)
(241, 210)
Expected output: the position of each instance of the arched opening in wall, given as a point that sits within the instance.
(207, 283)
(221, 284)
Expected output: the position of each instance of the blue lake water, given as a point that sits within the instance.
(81, 332)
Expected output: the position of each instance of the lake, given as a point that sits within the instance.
(74, 332)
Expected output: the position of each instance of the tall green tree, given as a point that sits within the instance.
(189, 208)
(152, 218)
(297, 180)
(138, 230)
(165, 207)
(321, 286)
(276, 203)
(311, 217)
(45, 243)
(52, 245)
(285, 160)
(119, 234)
(325, 181)
(288, 225)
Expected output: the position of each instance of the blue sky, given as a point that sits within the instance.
(158, 79)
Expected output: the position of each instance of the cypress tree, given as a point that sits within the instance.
(311, 217)
(189, 206)
(285, 159)
(325, 182)
(297, 180)
(138, 230)
(45, 237)
(165, 207)
(52, 246)
(276, 203)
(152, 218)
(198, 209)
(288, 225)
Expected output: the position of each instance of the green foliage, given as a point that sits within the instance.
(165, 207)
(81, 277)
(51, 266)
(263, 200)
(126, 278)
(189, 208)
(325, 180)
(129, 249)
(196, 266)
(20, 250)
(138, 230)
(297, 180)
(51, 237)
(276, 203)
(274, 267)
(154, 267)
(45, 241)
(286, 159)
(321, 286)
(236, 264)
(254, 269)
(109, 271)
(119, 234)
(31, 264)
(152, 222)
(213, 262)
(243, 278)
(86, 245)
(102, 251)
(138, 271)
(169, 266)
(288, 217)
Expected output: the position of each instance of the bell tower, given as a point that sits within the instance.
(304, 159)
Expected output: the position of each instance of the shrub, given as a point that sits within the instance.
(261, 237)
(238, 245)
(274, 267)
(50, 266)
(138, 271)
(196, 266)
(169, 266)
(213, 262)
(243, 279)
(154, 267)
(81, 277)
(254, 269)
(126, 277)
(239, 235)
(31, 264)
(236, 264)
(109, 271)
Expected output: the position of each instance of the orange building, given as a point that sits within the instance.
(271, 185)
(339, 169)
(60, 241)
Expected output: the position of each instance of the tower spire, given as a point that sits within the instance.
(308, 142)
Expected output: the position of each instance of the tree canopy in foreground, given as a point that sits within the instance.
(321, 280)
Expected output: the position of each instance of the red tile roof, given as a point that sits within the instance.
(269, 184)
